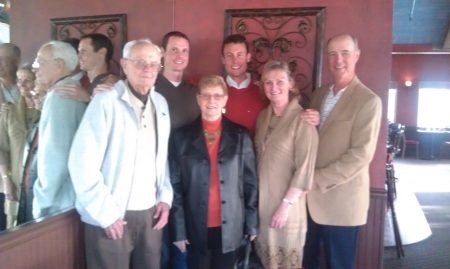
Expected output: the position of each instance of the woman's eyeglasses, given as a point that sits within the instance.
(215, 96)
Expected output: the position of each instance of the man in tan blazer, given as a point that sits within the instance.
(9, 93)
(350, 116)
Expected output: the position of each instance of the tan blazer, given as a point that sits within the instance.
(347, 142)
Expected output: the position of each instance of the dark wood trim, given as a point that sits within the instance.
(58, 242)
(371, 237)
(55, 242)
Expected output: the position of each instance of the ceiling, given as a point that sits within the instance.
(421, 22)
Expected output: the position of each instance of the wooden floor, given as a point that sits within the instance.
(422, 208)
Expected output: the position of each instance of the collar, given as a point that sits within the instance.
(244, 84)
(142, 97)
(339, 92)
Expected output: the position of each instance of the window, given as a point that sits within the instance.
(392, 101)
(434, 105)
(4, 33)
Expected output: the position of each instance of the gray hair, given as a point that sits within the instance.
(132, 43)
(353, 38)
(64, 51)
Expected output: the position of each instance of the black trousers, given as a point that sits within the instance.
(213, 258)
(2, 212)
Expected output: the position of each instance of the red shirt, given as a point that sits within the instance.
(214, 213)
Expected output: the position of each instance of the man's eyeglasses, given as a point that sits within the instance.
(140, 64)
(215, 96)
(37, 63)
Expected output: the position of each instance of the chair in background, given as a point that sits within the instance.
(411, 141)
(396, 137)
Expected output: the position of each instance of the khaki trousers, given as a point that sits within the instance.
(140, 246)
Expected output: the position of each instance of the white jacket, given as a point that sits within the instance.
(60, 118)
(102, 157)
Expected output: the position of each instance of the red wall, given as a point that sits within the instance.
(416, 67)
(203, 22)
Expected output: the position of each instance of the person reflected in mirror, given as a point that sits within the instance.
(119, 168)
(182, 101)
(9, 94)
(94, 53)
(53, 190)
(29, 173)
(213, 175)
(286, 148)
(9, 63)
(14, 125)
(338, 203)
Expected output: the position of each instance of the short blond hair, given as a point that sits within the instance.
(211, 81)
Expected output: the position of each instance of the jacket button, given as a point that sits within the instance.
(222, 182)
(223, 202)
(224, 222)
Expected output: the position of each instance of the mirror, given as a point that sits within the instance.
(159, 15)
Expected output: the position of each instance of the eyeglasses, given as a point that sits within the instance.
(24, 80)
(140, 64)
(215, 96)
(37, 63)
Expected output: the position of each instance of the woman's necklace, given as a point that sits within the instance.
(210, 137)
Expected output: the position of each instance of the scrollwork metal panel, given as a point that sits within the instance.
(292, 34)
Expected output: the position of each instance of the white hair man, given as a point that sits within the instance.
(60, 117)
(123, 187)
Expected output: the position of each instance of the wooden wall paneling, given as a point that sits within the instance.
(371, 237)
(57, 242)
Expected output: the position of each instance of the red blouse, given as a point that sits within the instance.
(213, 130)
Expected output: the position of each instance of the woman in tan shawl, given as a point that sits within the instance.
(286, 152)
(14, 124)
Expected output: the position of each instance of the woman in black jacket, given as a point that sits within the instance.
(213, 175)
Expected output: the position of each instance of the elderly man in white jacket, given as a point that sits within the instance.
(118, 165)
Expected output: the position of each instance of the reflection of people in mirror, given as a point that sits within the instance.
(53, 190)
(9, 92)
(94, 53)
(29, 173)
(118, 164)
(14, 124)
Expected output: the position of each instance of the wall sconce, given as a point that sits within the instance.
(408, 83)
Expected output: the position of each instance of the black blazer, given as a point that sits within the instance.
(190, 176)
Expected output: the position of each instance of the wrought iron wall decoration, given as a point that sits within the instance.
(295, 35)
(113, 26)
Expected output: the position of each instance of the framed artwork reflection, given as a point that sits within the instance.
(113, 26)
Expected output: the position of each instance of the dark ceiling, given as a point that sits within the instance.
(429, 23)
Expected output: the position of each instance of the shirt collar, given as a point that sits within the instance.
(339, 93)
(244, 84)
